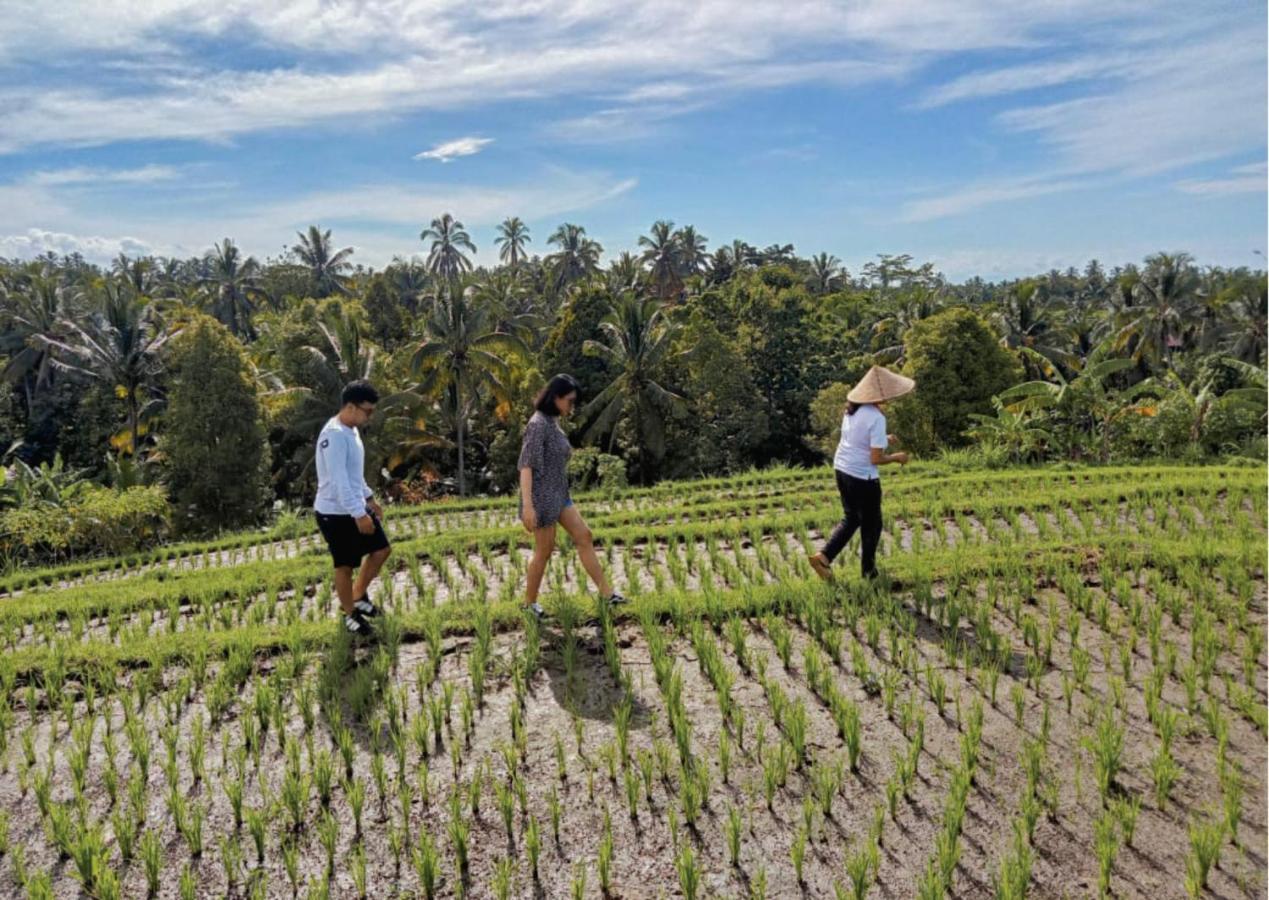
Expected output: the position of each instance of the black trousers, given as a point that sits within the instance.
(861, 511)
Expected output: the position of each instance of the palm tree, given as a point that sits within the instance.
(1245, 333)
(235, 283)
(826, 271)
(888, 332)
(512, 307)
(461, 358)
(1162, 296)
(120, 346)
(693, 254)
(39, 304)
(774, 254)
(513, 236)
(624, 273)
(577, 258)
(1025, 320)
(662, 254)
(446, 260)
(638, 340)
(327, 269)
(139, 273)
(411, 280)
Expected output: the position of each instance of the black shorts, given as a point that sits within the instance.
(347, 544)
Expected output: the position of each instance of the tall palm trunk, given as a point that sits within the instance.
(462, 420)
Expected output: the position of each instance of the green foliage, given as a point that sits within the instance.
(959, 366)
(93, 521)
(214, 442)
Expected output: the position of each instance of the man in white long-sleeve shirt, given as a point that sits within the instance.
(346, 513)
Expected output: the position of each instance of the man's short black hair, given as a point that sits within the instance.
(359, 392)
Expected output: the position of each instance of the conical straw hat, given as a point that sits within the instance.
(879, 385)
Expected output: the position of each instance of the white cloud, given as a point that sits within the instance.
(982, 194)
(37, 241)
(1198, 102)
(1250, 179)
(465, 146)
(1015, 79)
(81, 175)
(391, 57)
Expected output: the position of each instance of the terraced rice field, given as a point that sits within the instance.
(1057, 690)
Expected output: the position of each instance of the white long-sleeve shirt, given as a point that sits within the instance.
(341, 485)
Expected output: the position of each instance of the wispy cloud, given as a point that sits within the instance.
(1016, 79)
(450, 150)
(383, 58)
(82, 175)
(1250, 179)
(981, 194)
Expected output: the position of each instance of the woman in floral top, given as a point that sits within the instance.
(544, 499)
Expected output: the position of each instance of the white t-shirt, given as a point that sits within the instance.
(341, 486)
(862, 432)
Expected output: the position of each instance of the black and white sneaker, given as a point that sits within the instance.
(355, 624)
(535, 610)
(616, 599)
(365, 607)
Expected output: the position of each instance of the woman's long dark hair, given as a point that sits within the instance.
(560, 386)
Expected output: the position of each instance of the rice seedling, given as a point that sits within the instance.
(688, 870)
(1206, 839)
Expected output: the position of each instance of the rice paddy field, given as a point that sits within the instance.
(1058, 689)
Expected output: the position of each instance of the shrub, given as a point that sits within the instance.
(94, 521)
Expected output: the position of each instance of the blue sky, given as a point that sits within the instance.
(992, 138)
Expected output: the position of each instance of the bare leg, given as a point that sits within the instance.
(344, 588)
(584, 540)
(370, 567)
(543, 546)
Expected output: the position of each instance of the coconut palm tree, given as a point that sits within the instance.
(888, 332)
(662, 254)
(638, 337)
(1026, 320)
(1245, 333)
(120, 345)
(234, 283)
(577, 258)
(1162, 296)
(327, 269)
(139, 273)
(693, 252)
(624, 273)
(411, 281)
(826, 272)
(462, 357)
(513, 237)
(446, 260)
(37, 305)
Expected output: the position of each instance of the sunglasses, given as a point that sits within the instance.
(368, 411)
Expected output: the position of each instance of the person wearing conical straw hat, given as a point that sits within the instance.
(861, 450)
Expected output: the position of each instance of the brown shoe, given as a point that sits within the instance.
(821, 566)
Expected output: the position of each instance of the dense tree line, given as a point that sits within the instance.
(153, 371)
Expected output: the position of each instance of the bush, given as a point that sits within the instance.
(959, 365)
(826, 418)
(214, 443)
(588, 468)
(94, 521)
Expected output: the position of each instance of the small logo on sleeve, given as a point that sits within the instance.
(325, 443)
